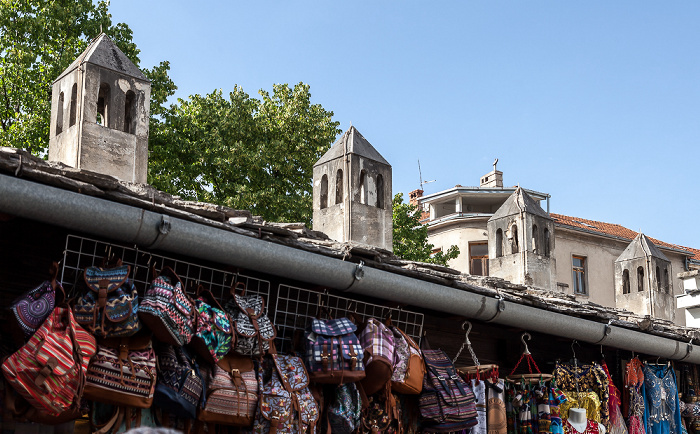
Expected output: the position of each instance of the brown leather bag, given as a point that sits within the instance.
(409, 367)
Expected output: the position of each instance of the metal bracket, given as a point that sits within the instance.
(163, 230)
(689, 349)
(359, 271)
(606, 332)
(500, 307)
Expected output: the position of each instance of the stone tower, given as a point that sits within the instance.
(521, 242)
(352, 193)
(643, 280)
(100, 114)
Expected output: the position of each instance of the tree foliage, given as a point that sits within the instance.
(411, 237)
(38, 40)
(243, 152)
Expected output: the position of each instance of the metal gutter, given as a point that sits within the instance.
(153, 230)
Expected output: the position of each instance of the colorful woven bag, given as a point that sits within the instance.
(333, 352)
(409, 367)
(212, 339)
(180, 386)
(167, 310)
(447, 403)
(286, 405)
(123, 372)
(254, 330)
(233, 387)
(49, 370)
(32, 308)
(109, 306)
(377, 342)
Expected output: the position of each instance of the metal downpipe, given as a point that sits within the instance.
(153, 230)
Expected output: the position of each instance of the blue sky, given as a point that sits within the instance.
(596, 103)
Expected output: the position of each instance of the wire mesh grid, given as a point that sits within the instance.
(81, 252)
(296, 306)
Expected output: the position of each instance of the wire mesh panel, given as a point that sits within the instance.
(84, 252)
(296, 306)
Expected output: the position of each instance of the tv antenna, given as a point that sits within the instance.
(420, 174)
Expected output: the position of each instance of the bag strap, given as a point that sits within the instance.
(236, 286)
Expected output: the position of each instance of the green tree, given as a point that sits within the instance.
(38, 40)
(411, 237)
(243, 152)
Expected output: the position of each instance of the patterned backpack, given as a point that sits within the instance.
(49, 370)
(333, 352)
(286, 405)
(447, 403)
(345, 409)
(377, 341)
(254, 330)
(180, 385)
(109, 307)
(123, 372)
(233, 386)
(32, 308)
(167, 310)
(213, 328)
(381, 414)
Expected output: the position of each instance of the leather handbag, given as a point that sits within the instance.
(409, 367)
(232, 392)
(377, 342)
(123, 372)
(286, 405)
(213, 336)
(254, 330)
(109, 306)
(333, 352)
(32, 308)
(180, 385)
(167, 310)
(447, 403)
(49, 370)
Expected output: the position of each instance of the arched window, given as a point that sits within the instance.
(363, 187)
(666, 285)
(59, 114)
(130, 112)
(514, 247)
(499, 242)
(535, 239)
(339, 186)
(640, 279)
(658, 278)
(324, 191)
(103, 100)
(380, 192)
(73, 104)
(625, 282)
(547, 241)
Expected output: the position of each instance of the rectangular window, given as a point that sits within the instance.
(479, 258)
(579, 272)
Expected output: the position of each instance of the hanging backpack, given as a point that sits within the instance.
(286, 404)
(123, 372)
(212, 339)
(180, 385)
(254, 330)
(409, 367)
(345, 409)
(109, 306)
(333, 352)
(167, 310)
(447, 403)
(377, 342)
(232, 392)
(49, 370)
(381, 414)
(32, 308)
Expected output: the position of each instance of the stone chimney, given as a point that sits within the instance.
(493, 179)
(100, 114)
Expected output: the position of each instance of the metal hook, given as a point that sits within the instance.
(522, 339)
(575, 342)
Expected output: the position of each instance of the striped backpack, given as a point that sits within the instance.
(49, 370)
(447, 403)
(167, 310)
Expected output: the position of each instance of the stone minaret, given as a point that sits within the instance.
(100, 114)
(521, 242)
(643, 282)
(352, 193)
